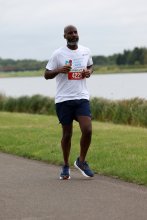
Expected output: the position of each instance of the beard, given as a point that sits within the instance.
(72, 42)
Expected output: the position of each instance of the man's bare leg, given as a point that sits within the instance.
(86, 129)
(66, 142)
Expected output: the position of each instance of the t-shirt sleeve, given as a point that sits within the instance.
(52, 63)
(90, 61)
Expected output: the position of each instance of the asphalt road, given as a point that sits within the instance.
(31, 190)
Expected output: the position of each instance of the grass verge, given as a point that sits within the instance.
(116, 150)
(30, 73)
(108, 69)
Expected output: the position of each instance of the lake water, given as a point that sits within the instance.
(111, 86)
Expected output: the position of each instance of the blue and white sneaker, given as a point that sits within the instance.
(65, 173)
(84, 168)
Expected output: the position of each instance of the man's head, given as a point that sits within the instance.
(71, 35)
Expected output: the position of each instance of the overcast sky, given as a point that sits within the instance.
(33, 29)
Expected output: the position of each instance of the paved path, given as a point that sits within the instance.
(31, 190)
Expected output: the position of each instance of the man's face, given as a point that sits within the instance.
(71, 35)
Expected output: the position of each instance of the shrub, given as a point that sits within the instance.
(22, 104)
(132, 112)
(9, 104)
(35, 104)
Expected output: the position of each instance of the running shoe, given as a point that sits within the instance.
(65, 173)
(84, 168)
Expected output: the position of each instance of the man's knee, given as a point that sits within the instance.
(67, 136)
(87, 131)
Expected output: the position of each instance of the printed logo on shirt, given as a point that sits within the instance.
(85, 54)
(68, 62)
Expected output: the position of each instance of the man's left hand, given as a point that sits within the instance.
(86, 73)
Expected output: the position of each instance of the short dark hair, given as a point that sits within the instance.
(67, 27)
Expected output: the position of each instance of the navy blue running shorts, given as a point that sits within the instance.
(68, 111)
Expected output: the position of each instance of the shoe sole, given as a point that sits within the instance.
(65, 177)
(81, 170)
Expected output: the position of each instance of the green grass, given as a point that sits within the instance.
(116, 150)
(22, 73)
(120, 69)
(97, 70)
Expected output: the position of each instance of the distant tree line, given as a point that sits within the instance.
(7, 65)
(137, 56)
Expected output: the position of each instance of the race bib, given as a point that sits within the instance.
(75, 76)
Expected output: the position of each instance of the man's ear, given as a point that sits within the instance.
(64, 36)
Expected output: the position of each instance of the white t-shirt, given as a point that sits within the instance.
(70, 86)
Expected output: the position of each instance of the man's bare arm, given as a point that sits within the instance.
(50, 74)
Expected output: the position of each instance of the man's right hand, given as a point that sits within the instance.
(65, 69)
